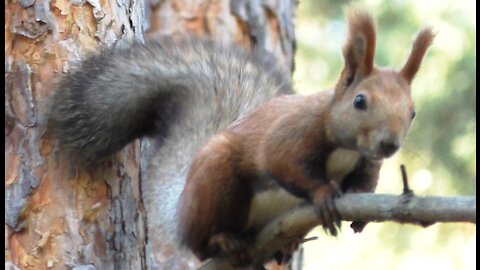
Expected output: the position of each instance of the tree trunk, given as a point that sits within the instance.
(57, 215)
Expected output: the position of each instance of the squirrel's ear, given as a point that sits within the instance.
(359, 50)
(419, 48)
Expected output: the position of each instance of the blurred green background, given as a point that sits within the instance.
(440, 150)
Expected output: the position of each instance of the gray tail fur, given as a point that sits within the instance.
(112, 98)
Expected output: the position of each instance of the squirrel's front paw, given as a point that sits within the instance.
(324, 204)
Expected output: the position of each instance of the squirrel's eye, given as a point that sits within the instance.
(413, 114)
(360, 102)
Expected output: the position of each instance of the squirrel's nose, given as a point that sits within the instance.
(388, 147)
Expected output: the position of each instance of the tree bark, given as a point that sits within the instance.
(57, 215)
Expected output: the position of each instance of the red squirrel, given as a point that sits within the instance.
(295, 149)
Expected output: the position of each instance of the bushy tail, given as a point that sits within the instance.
(121, 94)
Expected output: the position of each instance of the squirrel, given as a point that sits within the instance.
(237, 147)
(177, 92)
(295, 149)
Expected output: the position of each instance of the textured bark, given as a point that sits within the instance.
(59, 216)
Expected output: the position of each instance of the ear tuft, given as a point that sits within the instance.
(360, 42)
(359, 47)
(420, 45)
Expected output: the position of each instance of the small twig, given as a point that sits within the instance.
(406, 188)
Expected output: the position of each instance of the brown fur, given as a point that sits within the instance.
(361, 35)
(297, 142)
(419, 48)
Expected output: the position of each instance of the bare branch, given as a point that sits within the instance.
(292, 226)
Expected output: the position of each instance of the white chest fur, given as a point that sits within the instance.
(340, 163)
(269, 204)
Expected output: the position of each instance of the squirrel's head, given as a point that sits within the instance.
(372, 107)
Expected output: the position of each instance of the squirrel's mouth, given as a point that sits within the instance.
(379, 155)
(379, 152)
(374, 155)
